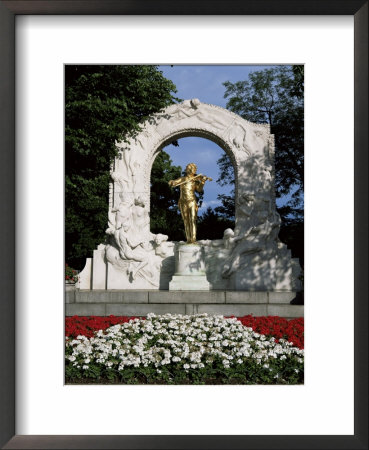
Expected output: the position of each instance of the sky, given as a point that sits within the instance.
(206, 84)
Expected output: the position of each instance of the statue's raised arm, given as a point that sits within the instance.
(177, 182)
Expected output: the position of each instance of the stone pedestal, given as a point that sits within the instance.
(190, 272)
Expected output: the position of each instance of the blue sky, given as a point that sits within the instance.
(206, 84)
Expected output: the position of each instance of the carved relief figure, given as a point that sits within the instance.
(130, 166)
(190, 108)
(163, 248)
(255, 239)
(134, 252)
(228, 240)
(132, 249)
(142, 138)
(120, 215)
(122, 182)
(263, 188)
(265, 177)
(245, 208)
(140, 217)
(237, 135)
(187, 200)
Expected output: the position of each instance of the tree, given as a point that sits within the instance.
(102, 104)
(211, 225)
(165, 217)
(275, 96)
(226, 176)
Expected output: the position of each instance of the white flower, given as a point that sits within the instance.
(196, 340)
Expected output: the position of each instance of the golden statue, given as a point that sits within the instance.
(187, 200)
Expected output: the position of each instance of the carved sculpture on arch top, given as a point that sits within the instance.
(250, 257)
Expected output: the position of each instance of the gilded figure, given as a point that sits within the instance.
(189, 184)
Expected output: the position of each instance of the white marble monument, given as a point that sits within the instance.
(250, 257)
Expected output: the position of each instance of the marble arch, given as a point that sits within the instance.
(248, 258)
(249, 146)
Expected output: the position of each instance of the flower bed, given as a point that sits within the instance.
(176, 349)
(87, 326)
(271, 326)
(278, 327)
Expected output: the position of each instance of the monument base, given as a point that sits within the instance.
(263, 271)
(143, 302)
(189, 283)
(190, 273)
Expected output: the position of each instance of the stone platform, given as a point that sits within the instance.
(142, 302)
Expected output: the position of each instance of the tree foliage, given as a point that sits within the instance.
(103, 103)
(211, 225)
(165, 217)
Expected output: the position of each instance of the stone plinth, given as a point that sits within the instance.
(190, 272)
(141, 303)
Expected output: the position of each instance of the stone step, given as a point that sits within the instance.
(141, 303)
(238, 310)
(177, 297)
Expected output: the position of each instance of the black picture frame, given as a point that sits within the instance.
(8, 12)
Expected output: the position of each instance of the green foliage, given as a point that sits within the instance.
(298, 81)
(102, 104)
(211, 225)
(249, 372)
(292, 233)
(226, 177)
(165, 217)
(226, 210)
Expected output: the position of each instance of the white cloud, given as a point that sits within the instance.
(212, 203)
